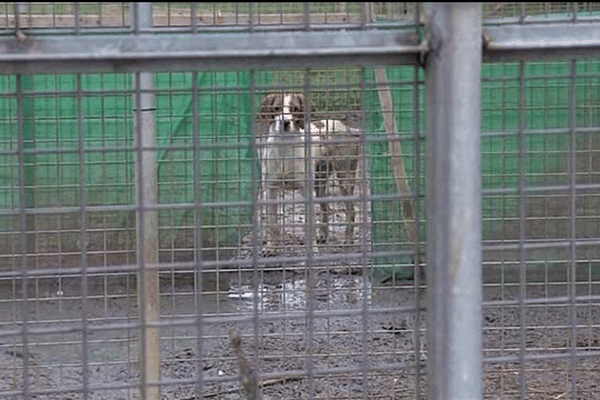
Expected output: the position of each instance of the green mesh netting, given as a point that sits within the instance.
(50, 123)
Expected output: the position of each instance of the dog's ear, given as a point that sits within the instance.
(300, 106)
(269, 107)
(308, 105)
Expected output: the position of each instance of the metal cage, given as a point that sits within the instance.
(136, 205)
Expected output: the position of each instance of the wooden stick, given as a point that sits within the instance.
(398, 167)
(247, 374)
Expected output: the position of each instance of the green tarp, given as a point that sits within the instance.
(51, 119)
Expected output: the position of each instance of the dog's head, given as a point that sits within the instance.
(287, 111)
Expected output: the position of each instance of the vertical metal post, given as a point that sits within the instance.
(29, 160)
(25, 136)
(147, 222)
(454, 200)
(23, 224)
(83, 216)
(26, 107)
(573, 226)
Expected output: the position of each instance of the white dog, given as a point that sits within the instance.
(333, 150)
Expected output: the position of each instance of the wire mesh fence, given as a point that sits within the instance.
(91, 16)
(541, 274)
(84, 135)
(336, 317)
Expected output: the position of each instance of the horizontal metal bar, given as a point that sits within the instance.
(539, 357)
(186, 321)
(241, 143)
(541, 244)
(49, 327)
(90, 209)
(208, 266)
(57, 31)
(542, 77)
(318, 372)
(122, 53)
(561, 300)
(542, 131)
(218, 379)
(259, 88)
(580, 188)
(126, 52)
(540, 19)
(212, 29)
(532, 42)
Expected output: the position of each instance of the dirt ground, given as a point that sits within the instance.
(359, 341)
(385, 354)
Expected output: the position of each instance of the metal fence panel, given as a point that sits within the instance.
(539, 157)
(81, 265)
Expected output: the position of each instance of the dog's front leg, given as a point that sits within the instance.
(274, 227)
(347, 183)
(262, 191)
(321, 176)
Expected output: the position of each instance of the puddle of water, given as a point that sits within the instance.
(345, 292)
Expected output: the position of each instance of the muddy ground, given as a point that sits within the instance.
(359, 341)
(343, 336)
(385, 354)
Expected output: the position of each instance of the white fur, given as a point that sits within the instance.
(284, 166)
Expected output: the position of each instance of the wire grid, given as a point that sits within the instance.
(65, 15)
(91, 17)
(540, 176)
(312, 320)
(541, 201)
(539, 12)
(277, 14)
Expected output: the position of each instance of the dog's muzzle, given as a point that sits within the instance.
(283, 124)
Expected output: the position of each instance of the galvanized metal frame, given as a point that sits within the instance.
(31, 51)
(570, 40)
(454, 201)
(541, 41)
(152, 52)
(453, 191)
